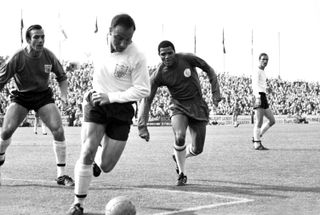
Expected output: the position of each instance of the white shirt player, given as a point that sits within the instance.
(122, 75)
(259, 83)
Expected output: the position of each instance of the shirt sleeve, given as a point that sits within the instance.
(145, 103)
(7, 70)
(140, 85)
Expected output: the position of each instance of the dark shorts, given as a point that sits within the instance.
(116, 116)
(194, 109)
(264, 102)
(32, 100)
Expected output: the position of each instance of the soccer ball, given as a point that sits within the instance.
(120, 205)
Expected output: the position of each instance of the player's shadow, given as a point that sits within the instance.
(296, 149)
(255, 187)
(94, 213)
(237, 188)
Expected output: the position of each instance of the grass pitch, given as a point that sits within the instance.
(229, 177)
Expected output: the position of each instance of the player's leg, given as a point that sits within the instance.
(112, 146)
(43, 128)
(91, 135)
(14, 116)
(198, 135)
(260, 113)
(179, 124)
(51, 117)
(35, 124)
(271, 121)
(110, 153)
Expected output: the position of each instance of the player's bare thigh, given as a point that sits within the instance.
(14, 116)
(179, 124)
(198, 135)
(111, 152)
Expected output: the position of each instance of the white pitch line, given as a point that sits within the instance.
(206, 207)
(30, 180)
(237, 200)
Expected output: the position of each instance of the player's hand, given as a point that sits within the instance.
(100, 98)
(144, 134)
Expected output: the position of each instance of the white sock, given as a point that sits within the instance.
(59, 148)
(82, 176)
(180, 157)
(256, 133)
(43, 127)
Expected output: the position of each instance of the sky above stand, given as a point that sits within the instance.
(287, 30)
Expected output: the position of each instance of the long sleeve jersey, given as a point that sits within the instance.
(259, 83)
(122, 75)
(31, 74)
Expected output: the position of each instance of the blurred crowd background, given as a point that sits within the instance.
(292, 98)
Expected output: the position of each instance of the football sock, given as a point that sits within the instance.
(180, 153)
(265, 128)
(59, 148)
(256, 136)
(43, 127)
(82, 176)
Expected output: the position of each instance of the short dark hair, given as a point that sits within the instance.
(32, 27)
(164, 44)
(123, 20)
(263, 54)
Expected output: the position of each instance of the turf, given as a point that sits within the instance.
(229, 177)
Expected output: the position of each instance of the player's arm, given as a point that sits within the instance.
(61, 78)
(7, 71)
(144, 108)
(213, 79)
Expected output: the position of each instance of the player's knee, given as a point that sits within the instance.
(180, 140)
(58, 133)
(195, 150)
(106, 167)
(272, 122)
(7, 133)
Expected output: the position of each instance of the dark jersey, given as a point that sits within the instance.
(31, 74)
(182, 78)
(183, 83)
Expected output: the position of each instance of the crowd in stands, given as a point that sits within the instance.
(285, 97)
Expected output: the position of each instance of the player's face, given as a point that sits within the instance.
(36, 41)
(264, 61)
(167, 55)
(120, 38)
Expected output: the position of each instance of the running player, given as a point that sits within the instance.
(178, 72)
(120, 78)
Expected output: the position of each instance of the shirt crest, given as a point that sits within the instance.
(47, 68)
(187, 72)
(121, 71)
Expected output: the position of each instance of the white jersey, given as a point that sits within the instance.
(122, 75)
(259, 83)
